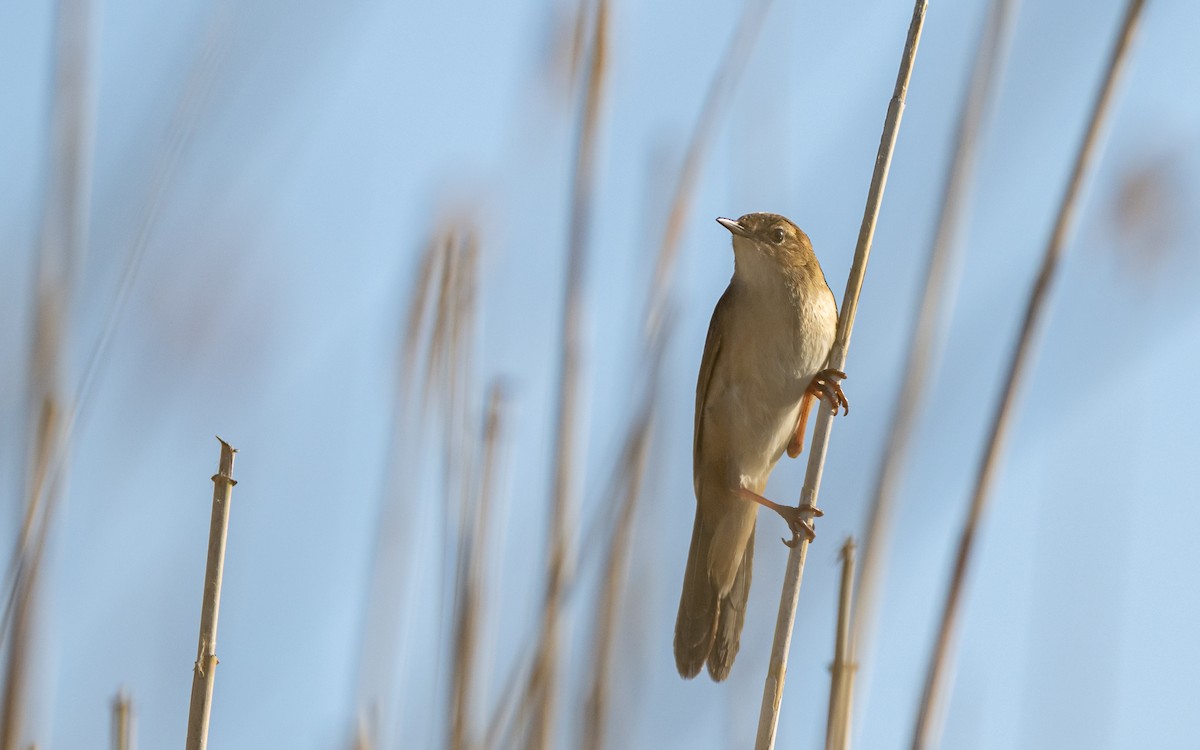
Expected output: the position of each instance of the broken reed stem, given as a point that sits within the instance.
(204, 669)
(928, 328)
(930, 716)
(841, 682)
(768, 720)
(542, 694)
(472, 585)
(122, 722)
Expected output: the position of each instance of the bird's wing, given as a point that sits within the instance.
(708, 366)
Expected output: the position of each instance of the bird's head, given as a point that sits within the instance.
(768, 243)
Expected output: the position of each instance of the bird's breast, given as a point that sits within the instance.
(773, 346)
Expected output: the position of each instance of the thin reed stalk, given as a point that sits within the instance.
(657, 334)
(434, 372)
(928, 329)
(122, 722)
(473, 551)
(204, 670)
(841, 681)
(62, 241)
(716, 102)
(379, 643)
(609, 605)
(768, 721)
(542, 691)
(930, 715)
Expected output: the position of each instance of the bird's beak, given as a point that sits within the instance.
(733, 226)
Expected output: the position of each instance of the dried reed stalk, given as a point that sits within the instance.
(541, 694)
(204, 670)
(633, 474)
(657, 334)
(716, 102)
(768, 720)
(62, 242)
(928, 330)
(473, 550)
(930, 716)
(381, 613)
(434, 358)
(841, 682)
(122, 722)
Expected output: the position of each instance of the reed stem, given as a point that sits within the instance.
(768, 721)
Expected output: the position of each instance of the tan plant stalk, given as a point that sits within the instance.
(716, 101)
(122, 722)
(768, 721)
(542, 690)
(62, 242)
(657, 331)
(841, 682)
(633, 475)
(379, 644)
(928, 330)
(204, 670)
(473, 547)
(929, 717)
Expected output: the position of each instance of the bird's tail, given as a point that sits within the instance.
(709, 627)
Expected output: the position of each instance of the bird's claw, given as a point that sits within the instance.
(799, 520)
(826, 385)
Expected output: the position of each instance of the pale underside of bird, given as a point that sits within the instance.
(763, 367)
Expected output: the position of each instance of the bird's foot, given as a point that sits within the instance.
(827, 386)
(799, 519)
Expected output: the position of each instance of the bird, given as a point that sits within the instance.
(765, 363)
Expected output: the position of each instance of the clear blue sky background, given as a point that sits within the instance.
(322, 142)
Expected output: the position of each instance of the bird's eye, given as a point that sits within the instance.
(777, 235)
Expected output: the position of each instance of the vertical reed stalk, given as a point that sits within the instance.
(542, 692)
(716, 101)
(930, 716)
(928, 328)
(62, 240)
(122, 722)
(768, 721)
(204, 670)
(473, 546)
(637, 445)
(841, 682)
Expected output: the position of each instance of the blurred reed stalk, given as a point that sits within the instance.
(434, 372)
(381, 611)
(716, 102)
(930, 717)
(928, 329)
(841, 682)
(768, 721)
(122, 722)
(657, 335)
(471, 584)
(204, 670)
(62, 242)
(449, 383)
(633, 473)
(541, 694)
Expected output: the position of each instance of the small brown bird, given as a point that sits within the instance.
(767, 345)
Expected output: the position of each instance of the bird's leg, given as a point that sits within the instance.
(796, 444)
(827, 385)
(798, 518)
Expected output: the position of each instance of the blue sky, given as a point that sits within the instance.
(287, 163)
